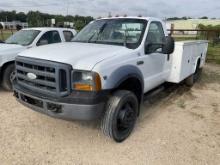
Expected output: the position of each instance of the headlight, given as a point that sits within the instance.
(86, 81)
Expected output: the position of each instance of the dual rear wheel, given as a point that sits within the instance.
(190, 81)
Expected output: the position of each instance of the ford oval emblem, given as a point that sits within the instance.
(32, 76)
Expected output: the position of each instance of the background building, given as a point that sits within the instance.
(14, 24)
(190, 24)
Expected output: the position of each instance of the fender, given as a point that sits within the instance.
(123, 73)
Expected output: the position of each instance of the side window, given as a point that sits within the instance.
(49, 37)
(155, 38)
(68, 35)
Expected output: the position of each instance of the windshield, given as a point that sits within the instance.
(124, 32)
(23, 37)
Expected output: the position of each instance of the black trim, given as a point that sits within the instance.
(133, 75)
(0, 74)
(61, 110)
(127, 20)
(56, 90)
(75, 97)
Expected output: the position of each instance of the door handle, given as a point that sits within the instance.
(140, 62)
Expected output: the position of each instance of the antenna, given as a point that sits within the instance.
(67, 7)
(109, 15)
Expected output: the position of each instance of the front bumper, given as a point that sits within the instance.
(61, 110)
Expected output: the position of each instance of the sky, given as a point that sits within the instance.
(96, 8)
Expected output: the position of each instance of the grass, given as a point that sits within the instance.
(6, 34)
(210, 77)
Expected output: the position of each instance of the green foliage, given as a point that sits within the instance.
(208, 27)
(37, 19)
(204, 17)
(178, 18)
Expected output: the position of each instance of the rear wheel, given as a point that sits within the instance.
(190, 81)
(8, 77)
(120, 116)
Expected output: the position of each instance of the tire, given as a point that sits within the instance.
(8, 75)
(190, 81)
(120, 116)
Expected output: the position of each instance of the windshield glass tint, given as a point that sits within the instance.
(23, 37)
(127, 32)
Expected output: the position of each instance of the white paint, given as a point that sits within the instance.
(106, 59)
(8, 52)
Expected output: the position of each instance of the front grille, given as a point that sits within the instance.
(51, 78)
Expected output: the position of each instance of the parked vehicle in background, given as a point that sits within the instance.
(105, 72)
(25, 39)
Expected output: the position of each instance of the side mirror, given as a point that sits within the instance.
(42, 42)
(151, 47)
(168, 46)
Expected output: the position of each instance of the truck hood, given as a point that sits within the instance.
(82, 56)
(9, 47)
(8, 52)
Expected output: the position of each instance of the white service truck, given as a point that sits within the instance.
(105, 72)
(25, 39)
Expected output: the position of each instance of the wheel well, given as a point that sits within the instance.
(4, 67)
(134, 85)
(198, 62)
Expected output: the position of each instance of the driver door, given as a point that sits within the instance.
(155, 62)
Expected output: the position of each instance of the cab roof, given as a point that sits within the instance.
(48, 28)
(133, 17)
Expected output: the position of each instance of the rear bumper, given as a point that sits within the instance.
(66, 111)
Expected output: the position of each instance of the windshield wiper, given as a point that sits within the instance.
(12, 43)
(126, 36)
(98, 33)
(89, 40)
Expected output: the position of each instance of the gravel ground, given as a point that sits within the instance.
(179, 126)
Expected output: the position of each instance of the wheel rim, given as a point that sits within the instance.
(126, 118)
(12, 76)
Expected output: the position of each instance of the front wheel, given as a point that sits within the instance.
(120, 116)
(8, 77)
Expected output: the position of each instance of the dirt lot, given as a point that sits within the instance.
(179, 126)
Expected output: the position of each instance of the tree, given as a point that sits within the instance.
(204, 17)
(21, 16)
(36, 18)
(1, 27)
